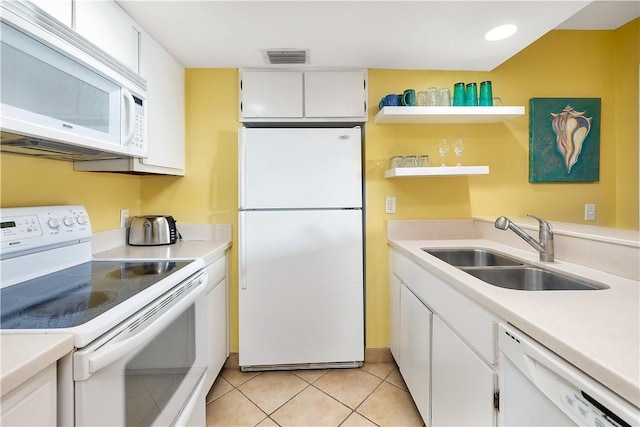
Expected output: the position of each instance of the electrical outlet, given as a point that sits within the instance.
(390, 204)
(124, 218)
(590, 212)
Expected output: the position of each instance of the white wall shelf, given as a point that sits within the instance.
(436, 171)
(391, 115)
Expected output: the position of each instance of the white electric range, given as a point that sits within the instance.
(138, 325)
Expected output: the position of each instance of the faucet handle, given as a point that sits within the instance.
(544, 224)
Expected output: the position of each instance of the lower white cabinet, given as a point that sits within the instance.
(32, 403)
(217, 320)
(444, 344)
(462, 384)
(415, 345)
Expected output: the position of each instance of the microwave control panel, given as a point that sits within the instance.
(138, 140)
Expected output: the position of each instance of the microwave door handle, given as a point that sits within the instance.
(131, 111)
(109, 353)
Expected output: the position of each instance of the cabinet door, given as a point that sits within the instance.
(462, 385)
(165, 107)
(394, 316)
(59, 9)
(110, 28)
(335, 94)
(217, 319)
(415, 339)
(271, 94)
(32, 403)
(216, 331)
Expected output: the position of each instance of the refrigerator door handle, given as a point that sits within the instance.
(242, 251)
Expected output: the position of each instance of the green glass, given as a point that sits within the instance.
(458, 94)
(471, 95)
(486, 96)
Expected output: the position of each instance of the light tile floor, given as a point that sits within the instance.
(374, 395)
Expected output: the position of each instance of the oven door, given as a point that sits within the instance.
(146, 371)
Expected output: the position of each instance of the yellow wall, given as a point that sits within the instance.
(209, 191)
(626, 60)
(561, 64)
(27, 181)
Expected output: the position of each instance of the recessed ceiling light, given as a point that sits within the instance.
(500, 32)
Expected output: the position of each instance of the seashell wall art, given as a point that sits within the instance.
(564, 139)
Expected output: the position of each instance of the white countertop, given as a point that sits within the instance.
(207, 250)
(597, 331)
(23, 356)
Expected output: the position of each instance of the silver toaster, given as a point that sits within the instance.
(153, 230)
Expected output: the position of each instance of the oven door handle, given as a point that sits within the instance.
(132, 340)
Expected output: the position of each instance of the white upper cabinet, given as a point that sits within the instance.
(335, 94)
(165, 117)
(267, 94)
(110, 28)
(166, 121)
(59, 9)
(298, 96)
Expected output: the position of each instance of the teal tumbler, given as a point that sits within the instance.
(471, 95)
(486, 96)
(458, 94)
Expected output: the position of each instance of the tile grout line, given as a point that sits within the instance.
(310, 383)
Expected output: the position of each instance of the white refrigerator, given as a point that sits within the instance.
(301, 293)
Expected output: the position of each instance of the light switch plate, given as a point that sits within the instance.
(590, 212)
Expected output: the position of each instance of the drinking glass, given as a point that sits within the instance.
(443, 149)
(458, 148)
(444, 97)
(432, 96)
(396, 162)
(421, 98)
(410, 161)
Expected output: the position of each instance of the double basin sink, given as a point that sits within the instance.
(506, 272)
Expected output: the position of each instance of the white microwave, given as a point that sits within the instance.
(58, 101)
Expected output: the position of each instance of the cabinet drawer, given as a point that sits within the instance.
(474, 325)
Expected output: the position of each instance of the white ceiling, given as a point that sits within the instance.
(427, 34)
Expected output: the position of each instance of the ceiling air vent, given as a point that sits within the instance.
(286, 56)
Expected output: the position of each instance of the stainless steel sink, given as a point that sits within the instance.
(472, 257)
(532, 279)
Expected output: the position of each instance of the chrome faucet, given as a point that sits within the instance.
(544, 247)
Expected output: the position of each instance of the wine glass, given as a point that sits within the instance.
(458, 148)
(443, 149)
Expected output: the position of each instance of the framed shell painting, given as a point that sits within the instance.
(564, 139)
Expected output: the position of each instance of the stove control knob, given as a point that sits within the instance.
(82, 220)
(68, 221)
(53, 223)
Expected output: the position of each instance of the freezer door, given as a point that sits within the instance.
(300, 168)
(301, 287)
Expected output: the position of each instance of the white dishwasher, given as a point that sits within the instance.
(538, 388)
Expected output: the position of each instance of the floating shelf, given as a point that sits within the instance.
(436, 171)
(447, 114)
